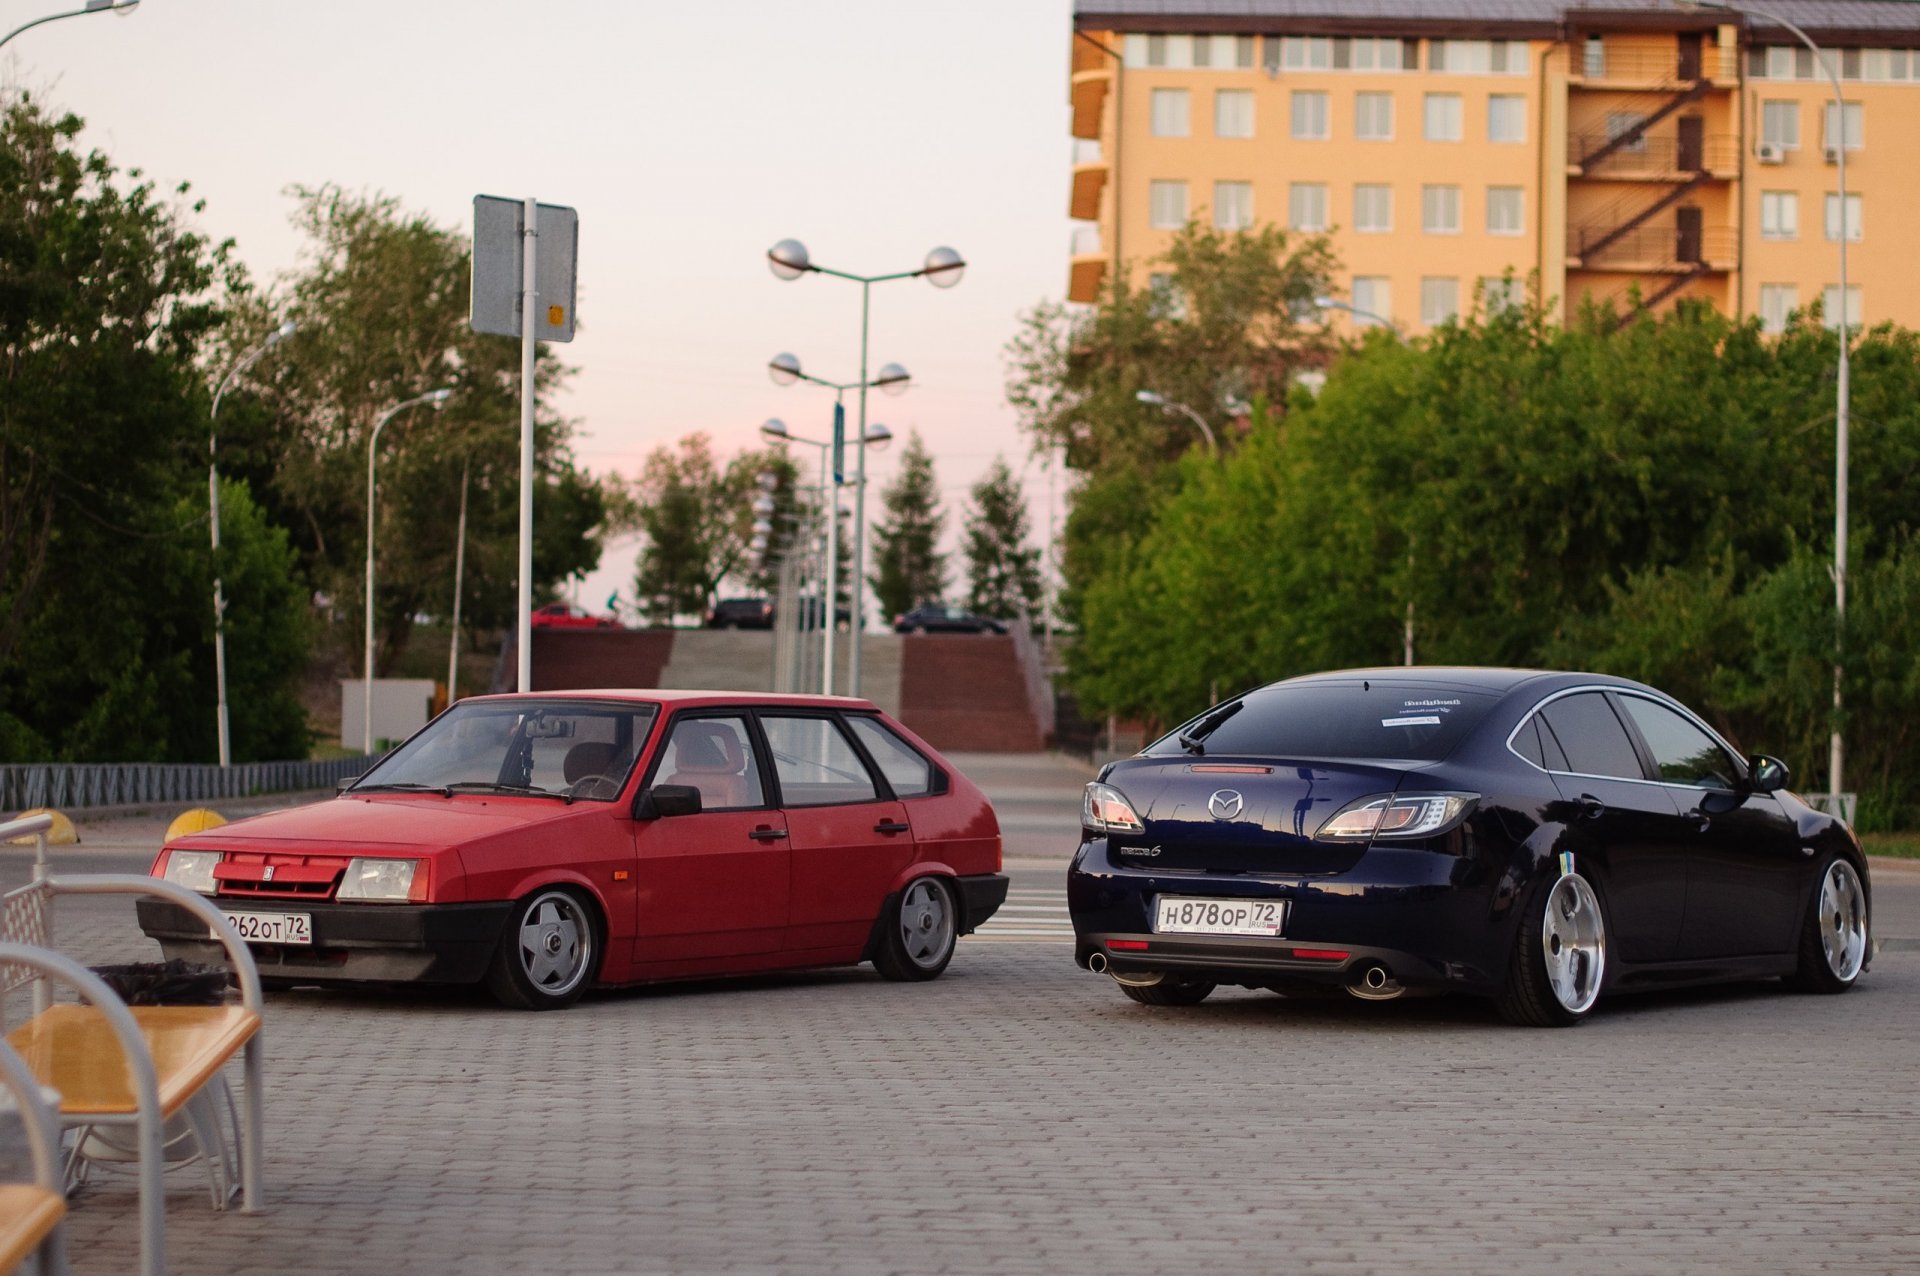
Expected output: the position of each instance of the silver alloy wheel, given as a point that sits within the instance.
(1843, 920)
(926, 924)
(555, 943)
(1573, 939)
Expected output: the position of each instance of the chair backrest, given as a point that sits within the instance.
(37, 1117)
(707, 755)
(590, 758)
(26, 917)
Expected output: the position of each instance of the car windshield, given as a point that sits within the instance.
(559, 748)
(1358, 719)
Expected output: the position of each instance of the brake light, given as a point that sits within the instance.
(1322, 954)
(1402, 815)
(1105, 809)
(1131, 945)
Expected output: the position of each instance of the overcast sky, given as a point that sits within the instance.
(690, 136)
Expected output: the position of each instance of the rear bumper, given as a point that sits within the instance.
(980, 898)
(1431, 919)
(352, 943)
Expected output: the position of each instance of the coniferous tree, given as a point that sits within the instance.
(908, 569)
(1004, 572)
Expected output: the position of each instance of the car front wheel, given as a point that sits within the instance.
(548, 954)
(1833, 938)
(918, 934)
(1560, 957)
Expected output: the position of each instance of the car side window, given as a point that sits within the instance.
(1526, 742)
(1684, 753)
(910, 774)
(714, 754)
(815, 762)
(1590, 733)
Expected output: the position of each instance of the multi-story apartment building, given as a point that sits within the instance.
(1445, 144)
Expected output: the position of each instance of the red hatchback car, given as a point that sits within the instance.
(542, 843)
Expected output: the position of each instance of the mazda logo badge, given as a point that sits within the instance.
(1225, 804)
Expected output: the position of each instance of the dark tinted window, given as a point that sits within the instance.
(1526, 742)
(1684, 753)
(1591, 734)
(1337, 720)
(1550, 746)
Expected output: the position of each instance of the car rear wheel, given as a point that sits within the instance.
(547, 956)
(1170, 992)
(1560, 957)
(919, 932)
(1833, 939)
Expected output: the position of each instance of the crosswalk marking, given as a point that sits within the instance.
(1030, 916)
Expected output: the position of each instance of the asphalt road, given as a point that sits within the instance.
(1019, 1115)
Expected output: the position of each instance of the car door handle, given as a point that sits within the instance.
(766, 835)
(1701, 820)
(891, 826)
(1591, 807)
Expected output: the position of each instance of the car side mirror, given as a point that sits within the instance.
(664, 800)
(1767, 774)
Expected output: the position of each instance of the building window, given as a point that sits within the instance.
(1310, 115)
(1777, 301)
(1439, 300)
(1506, 118)
(1779, 215)
(1440, 210)
(1442, 113)
(1372, 300)
(1242, 52)
(1368, 54)
(1170, 113)
(1780, 124)
(1856, 127)
(1306, 52)
(1594, 58)
(1373, 117)
(1307, 206)
(1373, 209)
(1833, 217)
(1622, 123)
(1501, 293)
(1506, 210)
(1478, 57)
(1202, 51)
(1233, 113)
(1232, 205)
(1830, 306)
(1156, 50)
(1167, 205)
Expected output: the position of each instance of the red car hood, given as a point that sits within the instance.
(384, 822)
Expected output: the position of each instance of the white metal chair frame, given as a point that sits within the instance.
(42, 1126)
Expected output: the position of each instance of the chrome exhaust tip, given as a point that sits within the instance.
(1097, 963)
(1376, 983)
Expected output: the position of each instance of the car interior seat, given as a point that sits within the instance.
(707, 755)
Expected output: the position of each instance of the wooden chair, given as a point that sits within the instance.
(30, 1213)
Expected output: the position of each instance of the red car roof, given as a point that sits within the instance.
(674, 697)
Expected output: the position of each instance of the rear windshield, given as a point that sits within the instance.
(1359, 719)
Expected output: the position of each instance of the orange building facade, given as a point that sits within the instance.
(1632, 154)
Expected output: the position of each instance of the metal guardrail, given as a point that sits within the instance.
(76, 784)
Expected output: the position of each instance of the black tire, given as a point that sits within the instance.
(1530, 998)
(1171, 992)
(549, 952)
(919, 928)
(1828, 962)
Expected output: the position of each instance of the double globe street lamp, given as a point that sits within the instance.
(942, 268)
(437, 398)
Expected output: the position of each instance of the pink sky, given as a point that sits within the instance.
(690, 136)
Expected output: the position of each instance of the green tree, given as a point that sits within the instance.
(697, 520)
(909, 569)
(107, 298)
(1003, 571)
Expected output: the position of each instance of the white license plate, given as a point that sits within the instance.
(1173, 915)
(273, 928)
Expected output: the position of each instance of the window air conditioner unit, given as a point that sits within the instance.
(1770, 153)
(1832, 153)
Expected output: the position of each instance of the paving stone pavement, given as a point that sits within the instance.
(1018, 1115)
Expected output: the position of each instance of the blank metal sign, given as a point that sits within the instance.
(497, 225)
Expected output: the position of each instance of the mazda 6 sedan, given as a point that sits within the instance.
(543, 843)
(1540, 839)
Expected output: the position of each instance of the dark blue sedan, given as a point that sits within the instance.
(1537, 838)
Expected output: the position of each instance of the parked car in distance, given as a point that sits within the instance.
(543, 843)
(1541, 839)
(936, 619)
(567, 616)
(741, 613)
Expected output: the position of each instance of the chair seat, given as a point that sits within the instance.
(73, 1050)
(27, 1214)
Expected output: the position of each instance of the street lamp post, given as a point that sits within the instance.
(942, 268)
(121, 7)
(435, 397)
(246, 361)
(1168, 405)
(1330, 303)
(1843, 389)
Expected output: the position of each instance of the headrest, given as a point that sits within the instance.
(708, 746)
(590, 758)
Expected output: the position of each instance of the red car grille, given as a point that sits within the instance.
(256, 876)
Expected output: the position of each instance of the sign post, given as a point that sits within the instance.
(523, 286)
